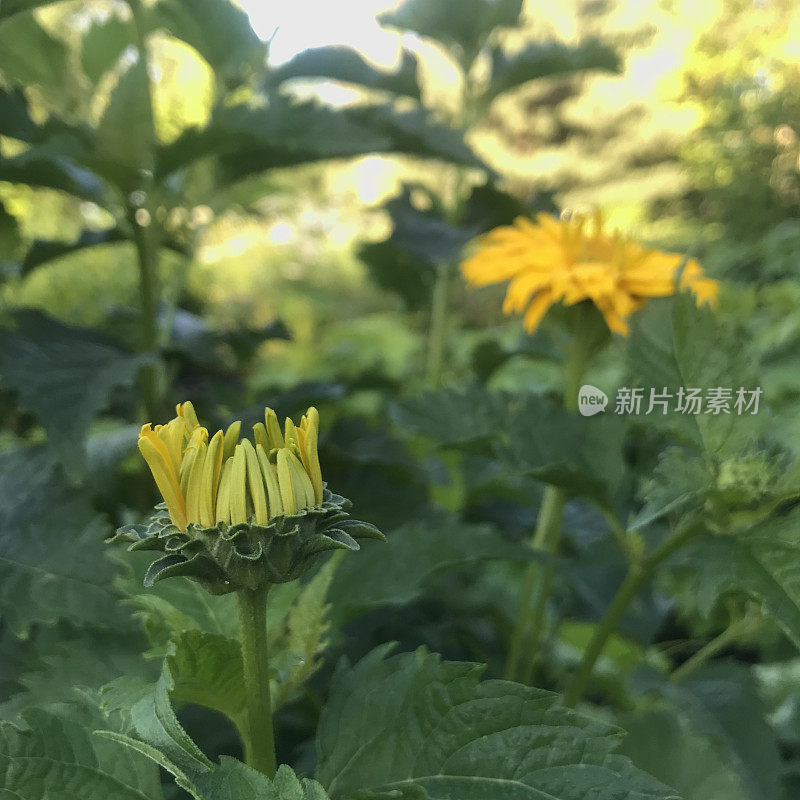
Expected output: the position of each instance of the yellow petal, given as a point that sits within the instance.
(273, 429)
(301, 484)
(260, 435)
(223, 505)
(311, 462)
(209, 480)
(158, 459)
(270, 477)
(231, 439)
(285, 481)
(238, 487)
(255, 482)
(173, 435)
(186, 410)
(290, 433)
(194, 485)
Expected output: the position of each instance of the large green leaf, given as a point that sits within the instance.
(30, 55)
(347, 65)
(64, 375)
(48, 168)
(721, 701)
(413, 720)
(52, 557)
(463, 26)
(396, 573)
(53, 756)
(285, 133)
(548, 59)
(676, 345)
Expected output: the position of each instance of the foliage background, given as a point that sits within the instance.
(300, 259)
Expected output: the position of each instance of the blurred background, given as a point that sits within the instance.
(689, 141)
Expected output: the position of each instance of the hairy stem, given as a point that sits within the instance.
(259, 740)
(638, 575)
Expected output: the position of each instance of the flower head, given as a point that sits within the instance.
(239, 514)
(209, 480)
(551, 261)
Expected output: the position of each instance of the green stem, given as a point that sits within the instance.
(146, 235)
(259, 740)
(538, 580)
(728, 636)
(545, 539)
(438, 327)
(638, 575)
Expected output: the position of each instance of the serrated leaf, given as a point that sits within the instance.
(206, 669)
(347, 65)
(762, 562)
(416, 720)
(548, 59)
(53, 755)
(676, 345)
(461, 25)
(51, 547)
(396, 572)
(64, 376)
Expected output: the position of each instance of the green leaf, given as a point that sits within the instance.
(663, 743)
(349, 66)
(548, 59)
(674, 344)
(530, 434)
(762, 562)
(146, 710)
(721, 701)
(64, 375)
(47, 167)
(65, 660)
(15, 121)
(218, 29)
(396, 572)
(51, 547)
(53, 755)
(11, 7)
(302, 636)
(462, 26)
(124, 133)
(416, 720)
(103, 45)
(30, 55)
(206, 669)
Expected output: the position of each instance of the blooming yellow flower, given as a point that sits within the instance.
(205, 481)
(551, 261)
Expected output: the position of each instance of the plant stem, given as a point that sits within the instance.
(538, 581)
(720, 642)
(545, 539)
(638, 575)
(260, 740)
(145, 235)
(438, 326)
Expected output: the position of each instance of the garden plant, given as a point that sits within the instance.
(513, 513)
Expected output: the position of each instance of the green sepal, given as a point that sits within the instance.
(227, 558)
